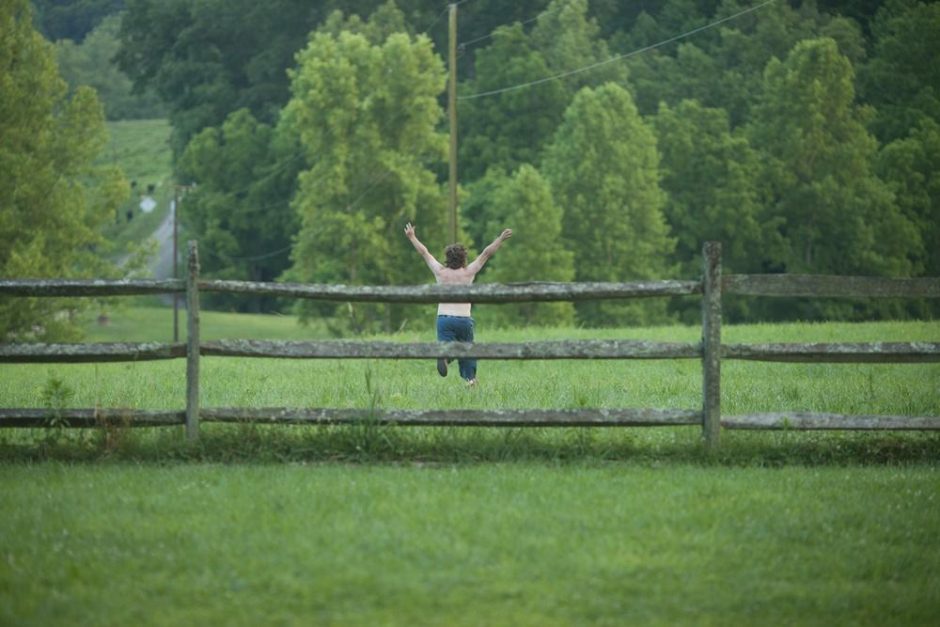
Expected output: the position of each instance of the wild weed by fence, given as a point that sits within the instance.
(709, 350)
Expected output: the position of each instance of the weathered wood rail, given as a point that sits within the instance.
(710, 351)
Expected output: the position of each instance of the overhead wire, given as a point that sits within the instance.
(467, 44)
(436, 20)
(374, 181)
(613, 59)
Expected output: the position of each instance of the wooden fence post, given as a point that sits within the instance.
(192, 344)
(711, 346)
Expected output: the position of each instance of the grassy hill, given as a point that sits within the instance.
(141, 149)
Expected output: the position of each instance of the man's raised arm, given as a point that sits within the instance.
(489, 251)
(429, 259)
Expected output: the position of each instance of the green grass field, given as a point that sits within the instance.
(491, 544)
(363, 525)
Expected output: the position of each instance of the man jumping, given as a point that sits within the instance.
(454, 323)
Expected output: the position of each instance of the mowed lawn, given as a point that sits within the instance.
(476, 544)
(365, 525)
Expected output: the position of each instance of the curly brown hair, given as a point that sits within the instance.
(456, 256)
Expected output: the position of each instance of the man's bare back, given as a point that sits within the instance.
(455, 276)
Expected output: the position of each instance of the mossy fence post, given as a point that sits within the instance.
(711, 346)
(192, 344)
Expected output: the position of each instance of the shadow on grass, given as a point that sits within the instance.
(371, 443)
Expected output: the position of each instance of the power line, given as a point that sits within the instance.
(616, 58)
(436, 20)
(466, 44)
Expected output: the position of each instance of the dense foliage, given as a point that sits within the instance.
(803, 134)
(72, 19)
(53, 199)
(90, 63)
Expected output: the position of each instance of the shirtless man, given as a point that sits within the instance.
(454, 323)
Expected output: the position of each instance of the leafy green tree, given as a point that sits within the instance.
(710, 177)
(366, 115)
(749, 42)
(862, 11)
(209, 58)
(476, 207)
(837, 216)
(524, 203)
(504, 129)
(911, 166)
(385, 20)
(570, 41)
(723, 67)
(53, 200)
(632, 25)
(507, 129)
(603, 167)
(901, 80)
(72, 19)
(91, 63)
(239, 208)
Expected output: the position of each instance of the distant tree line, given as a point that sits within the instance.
(804, 135)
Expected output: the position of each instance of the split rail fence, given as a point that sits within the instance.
(710, 350)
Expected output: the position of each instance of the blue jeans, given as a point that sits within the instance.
(458, 329)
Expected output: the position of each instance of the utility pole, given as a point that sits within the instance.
(452, 115)
(176, 296)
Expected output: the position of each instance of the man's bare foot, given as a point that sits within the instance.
(471, 383)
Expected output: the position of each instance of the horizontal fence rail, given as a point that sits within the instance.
(780, 421)
(94, 287)
(89, 353)
(99, 417)
(485, 293)
(776, 285)
(461, 417)
(863, 352)
(870, 352)
(827, 286)
(80, 418)
(710, 350)
(583, 349)
(815, 421)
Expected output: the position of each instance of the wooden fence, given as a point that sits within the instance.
(710, 350)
